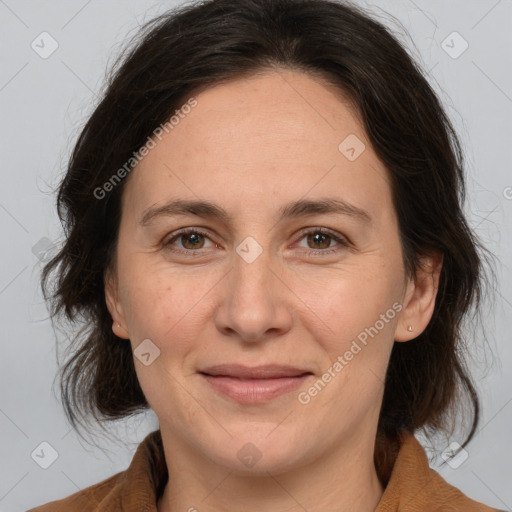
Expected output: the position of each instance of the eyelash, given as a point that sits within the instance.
(315, 252)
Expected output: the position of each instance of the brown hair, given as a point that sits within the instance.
(196, 46)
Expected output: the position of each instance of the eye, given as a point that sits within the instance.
(191, 239)
(321, 238)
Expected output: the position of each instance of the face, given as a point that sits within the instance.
(310, 298)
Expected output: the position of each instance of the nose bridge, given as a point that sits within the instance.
(253, 302)
(252, 275)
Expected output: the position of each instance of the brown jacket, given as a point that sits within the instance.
(413, 486)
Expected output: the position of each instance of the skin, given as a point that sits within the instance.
(253, 145)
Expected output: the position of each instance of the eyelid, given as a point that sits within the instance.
(184, 231)
(338, 237)
(326, 231)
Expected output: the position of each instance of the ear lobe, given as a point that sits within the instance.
(114, 305)
(420, 298)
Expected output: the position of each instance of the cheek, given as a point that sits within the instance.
(160, 309)
(343, 302)
(166, 307)
(147, 302)
(352, 315)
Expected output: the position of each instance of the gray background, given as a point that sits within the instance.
(45, 101)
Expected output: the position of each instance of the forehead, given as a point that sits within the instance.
(272, 137)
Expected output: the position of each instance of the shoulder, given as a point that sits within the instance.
(415, 486)
(450, 498)
(89, 498)
(137, 488)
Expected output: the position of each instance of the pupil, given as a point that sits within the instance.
(318, 237)
(192, 239)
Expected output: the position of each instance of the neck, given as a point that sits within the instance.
(344, 479)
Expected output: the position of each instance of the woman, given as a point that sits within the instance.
(265, 234)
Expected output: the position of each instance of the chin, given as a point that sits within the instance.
(253, 451)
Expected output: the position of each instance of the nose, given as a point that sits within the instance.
(255, 303)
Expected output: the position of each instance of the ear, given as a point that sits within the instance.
(420, 298)
(114, 304)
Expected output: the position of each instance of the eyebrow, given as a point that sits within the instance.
(295, 209)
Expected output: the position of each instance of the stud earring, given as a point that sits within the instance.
(409, 328)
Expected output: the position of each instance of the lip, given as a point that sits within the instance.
(254, 385)
(269, 371)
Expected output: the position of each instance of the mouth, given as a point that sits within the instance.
(254, 385)
(253, 373)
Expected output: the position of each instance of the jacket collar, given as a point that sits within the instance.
(412, 487)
